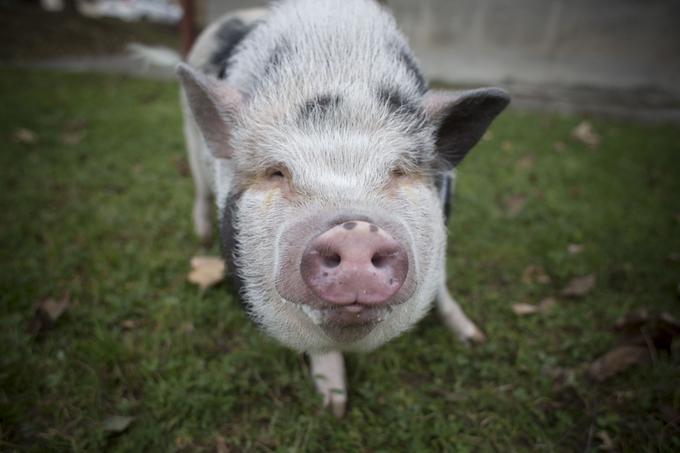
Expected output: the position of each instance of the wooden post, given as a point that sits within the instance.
(187, 26)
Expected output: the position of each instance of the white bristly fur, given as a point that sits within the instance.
(347, 49)
(343, 48)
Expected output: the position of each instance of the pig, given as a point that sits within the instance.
(331, 163)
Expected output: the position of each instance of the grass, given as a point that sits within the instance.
(106, 222)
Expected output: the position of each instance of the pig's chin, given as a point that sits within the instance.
(347, 324)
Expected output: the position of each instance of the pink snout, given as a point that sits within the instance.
(355, 262)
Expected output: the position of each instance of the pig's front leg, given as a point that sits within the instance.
(455, 319)
(328, 372)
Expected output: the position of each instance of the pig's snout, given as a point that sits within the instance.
(355, 262)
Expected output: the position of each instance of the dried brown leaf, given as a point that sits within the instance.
(522, 309)
(535, 274)
(48, 311)
(579, 286)
(116, 423)
(641, 328)
(221, 445)
(547, 304)
(206, 271)
(606, 442)
(130, 324)
(72, 138)
(514, 204)
(506, 145)
(25, 136)
(53, 309)
(575, 249)
(616, 361)
(585, 133)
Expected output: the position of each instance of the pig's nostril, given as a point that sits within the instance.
(331, 260)
(380, 260)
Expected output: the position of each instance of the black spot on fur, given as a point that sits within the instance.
(373, 228)
(228, 242)
(397, 102)
(276, 57)
(318, 108)
(444, 182)
(349, 225)
(228, 37)
(404, 55)
(413, 68)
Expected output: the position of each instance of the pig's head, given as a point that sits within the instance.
(338, 228)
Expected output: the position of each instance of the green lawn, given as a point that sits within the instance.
(105, 221)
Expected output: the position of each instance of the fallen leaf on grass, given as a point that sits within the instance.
(24, 136)
(74, 132)
(506, 145)
(606, 442)
(48, 311)
(72, 138)
(206, 271)
(116, 423)
(535, 274)
(514, 204)
(575, 249)
(130, 324)
(642, 329)
(616, 361)
(547, 304)
(523, 309)
(585, 133)
(579, 286)
(221, 445)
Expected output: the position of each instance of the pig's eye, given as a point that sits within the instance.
(398, 172)
(275, 174)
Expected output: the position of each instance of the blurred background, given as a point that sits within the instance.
(614, 57)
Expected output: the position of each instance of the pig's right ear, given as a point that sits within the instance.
(214, 105)
(461, 118)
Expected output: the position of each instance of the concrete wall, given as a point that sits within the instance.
(613, 54)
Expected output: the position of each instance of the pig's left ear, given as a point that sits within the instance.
(214, 106)
(462, 118)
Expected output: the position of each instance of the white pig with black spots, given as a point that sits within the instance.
(331, 163)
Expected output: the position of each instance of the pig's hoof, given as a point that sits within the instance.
(334, 399)
(473, 337)
(466, 331)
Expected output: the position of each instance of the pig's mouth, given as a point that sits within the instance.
(369, 254)
(349, 322)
